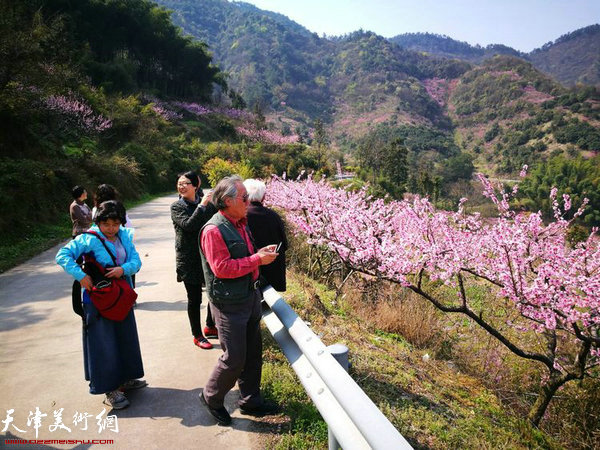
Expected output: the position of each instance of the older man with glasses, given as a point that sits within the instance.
(231, 270)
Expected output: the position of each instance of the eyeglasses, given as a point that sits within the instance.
(184, 184)
(245, 198)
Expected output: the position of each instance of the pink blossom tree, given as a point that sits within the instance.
(77, 113)
(269, 137)
(547, 290)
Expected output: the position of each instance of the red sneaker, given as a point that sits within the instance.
(202, 343)
(211, 332)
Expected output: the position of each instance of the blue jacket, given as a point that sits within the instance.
(86, 243)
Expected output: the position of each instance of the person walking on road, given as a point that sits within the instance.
(105, 192)
(231, 270)
(80, 213)
(111, 349)
(81, 216)
(267, 227)
(189, 214)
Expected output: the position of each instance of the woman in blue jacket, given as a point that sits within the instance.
(111, 349)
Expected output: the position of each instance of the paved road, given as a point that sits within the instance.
(41, 362)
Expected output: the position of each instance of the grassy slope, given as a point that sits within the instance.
(429, 401)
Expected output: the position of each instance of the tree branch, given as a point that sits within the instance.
(487, 327)
(472, 272)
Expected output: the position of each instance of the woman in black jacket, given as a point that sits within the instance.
(189, 214)
(267, 228)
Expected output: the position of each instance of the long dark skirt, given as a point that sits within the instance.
(111, 351)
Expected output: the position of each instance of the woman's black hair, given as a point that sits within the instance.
(111, 209)
(105, 192)
(77, 191)
(192, 176)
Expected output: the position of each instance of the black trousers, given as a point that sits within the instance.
(194, 295)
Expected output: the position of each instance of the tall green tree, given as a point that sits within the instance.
(320, 137)
(397, 163)
(131, 45)
(579, 177)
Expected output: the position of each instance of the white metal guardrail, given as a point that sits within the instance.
(352, 417)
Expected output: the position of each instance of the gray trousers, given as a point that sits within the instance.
(241, 361)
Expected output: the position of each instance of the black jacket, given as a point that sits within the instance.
(267, 228)
(188, 218)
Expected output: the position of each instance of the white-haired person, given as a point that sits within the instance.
(267, 228)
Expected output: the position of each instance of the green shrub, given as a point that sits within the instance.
(31, 192)
(217, 168)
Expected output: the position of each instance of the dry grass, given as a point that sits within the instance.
(393, 310)
(429, 400)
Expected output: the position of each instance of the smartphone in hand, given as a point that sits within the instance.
(273, 248)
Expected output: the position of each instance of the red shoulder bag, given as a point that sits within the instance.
(112, 297)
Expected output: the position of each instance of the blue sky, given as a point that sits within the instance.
(521, 24)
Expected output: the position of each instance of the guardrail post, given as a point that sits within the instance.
(340, 354)
(355, 420)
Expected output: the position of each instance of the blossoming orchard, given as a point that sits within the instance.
(544, 287)
(247, 129)
(77, 113)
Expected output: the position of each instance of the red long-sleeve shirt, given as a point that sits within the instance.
(218, 257)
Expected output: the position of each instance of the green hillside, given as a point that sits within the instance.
(110, 91)
(509, 114)
(437, 45)
(572, 58)
(268, 58)
(495, 113)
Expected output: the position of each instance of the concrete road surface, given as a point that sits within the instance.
(41, 361)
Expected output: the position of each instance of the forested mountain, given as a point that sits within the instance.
(269, 58)
(509, 114)
(438, 45)
(109, 91)
(298, 75)
(280, 65)
(351, 82)
(572, 58)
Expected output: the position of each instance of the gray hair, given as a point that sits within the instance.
(227, 187)
(256, 189)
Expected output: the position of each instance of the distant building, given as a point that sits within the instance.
(340, 174)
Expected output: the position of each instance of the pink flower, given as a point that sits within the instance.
(78, 112)
(523, 172)
(550, 285)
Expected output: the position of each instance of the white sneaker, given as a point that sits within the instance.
(116, 399)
